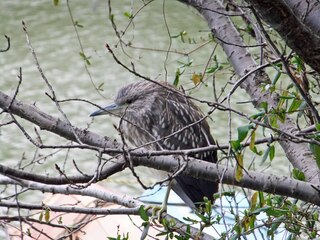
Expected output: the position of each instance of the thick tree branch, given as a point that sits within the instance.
(296, 32)
(67, 209)
(308, 12)
(222, 27)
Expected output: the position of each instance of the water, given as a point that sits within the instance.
(57, 47)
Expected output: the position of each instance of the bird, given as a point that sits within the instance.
(157, 116)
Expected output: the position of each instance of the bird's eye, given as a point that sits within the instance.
(129, 101)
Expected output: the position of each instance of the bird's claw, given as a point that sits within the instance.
(157, 212)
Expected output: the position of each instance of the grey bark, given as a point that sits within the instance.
(297, 22)
(240, 58)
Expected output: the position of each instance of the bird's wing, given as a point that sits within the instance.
(175, 117)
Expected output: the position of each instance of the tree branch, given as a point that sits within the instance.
(294, 30)
(197, 168)
(240, 58)
(122, 200)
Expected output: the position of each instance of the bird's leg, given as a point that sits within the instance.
(164, 205)
(157, 210)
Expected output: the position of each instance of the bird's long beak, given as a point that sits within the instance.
(110, 109)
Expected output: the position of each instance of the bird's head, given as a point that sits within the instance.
(134, 97)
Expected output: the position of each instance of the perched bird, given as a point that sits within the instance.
(157, 113)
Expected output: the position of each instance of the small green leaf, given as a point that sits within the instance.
(264, 106)
(216, 66)
(177, 78)
(111, 17)
(281, 115)
(47, 215)
(273, 120)
(286, 97)
(297, 61)
(243, 132)
(318, 126)
(254, 200)
(258, 115)
(271, 152)
(143, 213)
(235, 145)
(315, 149)
(55, 2)
(261, 199)
(276, 212)
(239, 167)
(297, 174)
(128, 15)
(276, 78)
(260, 210)
(265, 155)
(41, 216)
(100, 87)
(183, 65)
(252, 141)
(295, 105)
(85, 58)
(77, 24)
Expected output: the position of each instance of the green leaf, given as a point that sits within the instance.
(235, 145)
(177, 78)
(254, 200)
(183, 65)
(143, 213)
(273, 120)
(297, 61)
(315, 149)
(100, 87)
(261, 199)
(239, 167)
(216, 66)
(77, 24)
(265, 155)
(252, 146)
(264, 106)
(85, 58)
(41, 216)
(276, 78)
(271, 152)
(297, 174)
(295, 105)
(55, 2)
(243, 132)
(252, 141)
(258, 115)
(276, 212)
(281, 115)
(128, 15)
(47, 215)
(260, 210)
(286, 97)
(318, 126)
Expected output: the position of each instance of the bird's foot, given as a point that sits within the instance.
(157, 212)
